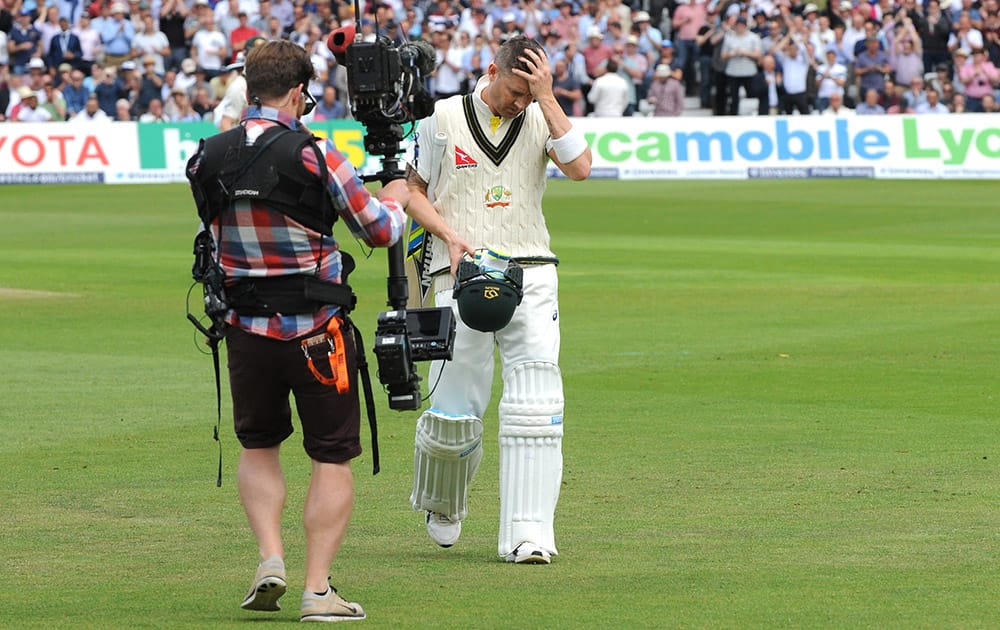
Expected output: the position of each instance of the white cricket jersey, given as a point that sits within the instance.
(490, 184)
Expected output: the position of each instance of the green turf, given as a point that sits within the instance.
(780, 413)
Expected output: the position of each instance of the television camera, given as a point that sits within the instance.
(385, 82)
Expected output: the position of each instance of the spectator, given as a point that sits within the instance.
(75, 93)
(154, 113)
(90, 42)
(855, 33)
(150, 85)
(934, 30)
(957, 103)
(566, 89)
(208, 46)
(769, 87)
(532, 19)
(226, 14)
(183, 110)
(261, 21)
(123, 110)
(870, 105)
(979, 78)
(932, 105)
(116, 36)
(871, 67)
(91, 112)
(795, 67)
(4, 56)
(24, 42)
(28, 109)
(830, 77)
(965, 35)
(36, 72)
(109, 91)
(914, 96)
(689, 17)
(186, 77)
(775, 34)
(55, 103)
(329, 107)
(666, 94)
(635, 66)
(650, 37)
(448, 77)
(609, 93)
(284, 10)
(203, 103)
(595, 54)
(70, 9)
(48, 27)
(891, 99)
(65, 47)
(837, 107)
(947, 91)
(706, 74)
(477, 59)
(239, 36)
(907, 59)
(564, 24)
(741, 50)
(173, 14)
(989, 104)
(151, 43)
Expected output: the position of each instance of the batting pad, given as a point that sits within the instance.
(447, 450)
(531, 415)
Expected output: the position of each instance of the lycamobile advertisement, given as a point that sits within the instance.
(965, 146)
(945, 146)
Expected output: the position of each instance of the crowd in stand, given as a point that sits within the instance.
(172, 60)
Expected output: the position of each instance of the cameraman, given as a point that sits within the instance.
(268, 257)
(490, 196)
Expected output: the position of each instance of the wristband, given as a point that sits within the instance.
(569, 146)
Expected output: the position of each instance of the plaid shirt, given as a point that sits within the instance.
(257, 242)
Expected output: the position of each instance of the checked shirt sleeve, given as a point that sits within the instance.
(375, 222)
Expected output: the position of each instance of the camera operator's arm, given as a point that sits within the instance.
(568, 148)
(424, 213)
(377, 222)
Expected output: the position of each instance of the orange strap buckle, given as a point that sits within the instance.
(336, 356)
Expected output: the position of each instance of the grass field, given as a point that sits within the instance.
(781, 413)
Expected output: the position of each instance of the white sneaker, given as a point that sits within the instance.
(329, 607)
(529, 553)
(442, 529)
(268, 585)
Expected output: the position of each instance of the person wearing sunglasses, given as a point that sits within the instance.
(268, 194)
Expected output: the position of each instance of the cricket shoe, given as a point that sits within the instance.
(529, 553)
(268, 585)
(329, 607)
(442, 529)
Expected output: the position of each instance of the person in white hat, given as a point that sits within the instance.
(650, 37)
(595, 54)
(28, 109)
(117, 35)
(666, 94)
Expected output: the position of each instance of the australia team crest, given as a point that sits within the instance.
(497, 197)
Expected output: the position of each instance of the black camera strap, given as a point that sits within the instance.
(366, 385)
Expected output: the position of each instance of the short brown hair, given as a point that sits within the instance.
(509, 54)
(275, 67)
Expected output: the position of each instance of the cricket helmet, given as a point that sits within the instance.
(487, 298)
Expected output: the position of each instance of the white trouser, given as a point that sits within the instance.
(532, 335)
(531, 426)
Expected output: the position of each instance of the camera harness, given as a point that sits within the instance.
(279, 178)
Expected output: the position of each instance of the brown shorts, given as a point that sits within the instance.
(262, 373)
